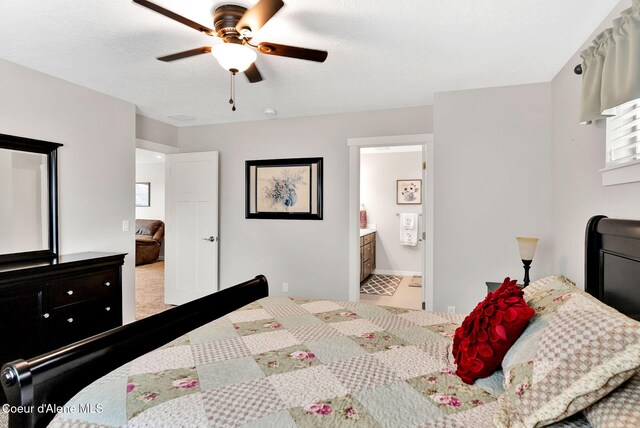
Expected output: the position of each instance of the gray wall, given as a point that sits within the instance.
(156, 131)
(310, 255)
(578, 155)
(153, 173)
(492, 183)
(378, 175)
(96, 164)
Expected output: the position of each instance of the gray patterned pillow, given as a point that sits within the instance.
(620, 409)
(575, 351)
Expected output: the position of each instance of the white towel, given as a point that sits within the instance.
(409, 229)
(407, 220)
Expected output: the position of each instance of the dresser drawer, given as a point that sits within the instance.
(81, 320)
(82, 287)
(369, 238)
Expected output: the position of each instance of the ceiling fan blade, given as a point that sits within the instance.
(258, 15)
(181, 19)
(292, 52)
(253, 74)
(185, 54)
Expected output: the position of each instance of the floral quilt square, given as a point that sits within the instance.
(150, 389)
(335, 412)
(449, 393)
(395, 310)
(338, 315)
(286, 360)
(253, 327)
(446, 330)
(378, 341)
(299, 300)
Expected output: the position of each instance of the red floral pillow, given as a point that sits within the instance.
(487, 333)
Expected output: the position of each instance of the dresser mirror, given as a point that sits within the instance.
(28, 199)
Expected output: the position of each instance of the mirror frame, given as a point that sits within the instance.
(48, 148)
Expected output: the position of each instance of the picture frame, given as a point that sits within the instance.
(284, 189)
(409, 192)
(143, 194)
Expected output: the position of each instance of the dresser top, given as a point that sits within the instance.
(61, 262)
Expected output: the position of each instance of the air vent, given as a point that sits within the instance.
(181, 117)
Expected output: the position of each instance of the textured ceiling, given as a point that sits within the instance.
(382, 54)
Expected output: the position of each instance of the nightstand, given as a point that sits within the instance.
(493, 286)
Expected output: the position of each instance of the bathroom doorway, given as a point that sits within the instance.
(390, 245)
(149, 233)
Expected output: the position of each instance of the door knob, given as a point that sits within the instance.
(211, 239)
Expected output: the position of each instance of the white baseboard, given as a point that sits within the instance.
(396, 272)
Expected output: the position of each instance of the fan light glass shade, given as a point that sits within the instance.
(234, 56)
(527, 247)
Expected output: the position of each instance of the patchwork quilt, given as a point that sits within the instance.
(289, 362)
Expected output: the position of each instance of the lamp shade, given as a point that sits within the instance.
(527, 247)
(233, 56)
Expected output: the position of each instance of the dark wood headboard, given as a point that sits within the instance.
(612, 263)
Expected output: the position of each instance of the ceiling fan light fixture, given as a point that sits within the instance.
(234, 56)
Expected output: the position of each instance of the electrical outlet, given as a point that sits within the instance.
(285, 286)
(451, 309)
(125, 225)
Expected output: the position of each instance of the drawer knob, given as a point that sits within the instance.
(107, 284)
(45, 315)
(70, 292)
(69, 319)
(108, 308)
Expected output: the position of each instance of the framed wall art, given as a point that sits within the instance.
(409, 192)
(143, 194)
(289, 189)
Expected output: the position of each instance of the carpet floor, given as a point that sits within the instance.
(150, 289)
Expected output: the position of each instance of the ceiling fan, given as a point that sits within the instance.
(236, 25)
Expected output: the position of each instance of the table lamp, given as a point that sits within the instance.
(527, 248)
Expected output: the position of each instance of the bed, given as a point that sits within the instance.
(242, 358)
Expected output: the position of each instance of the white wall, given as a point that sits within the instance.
(152, 173)
(578, 154)
(96, 165)
(378, 175)
(312, 256)
(492, 183)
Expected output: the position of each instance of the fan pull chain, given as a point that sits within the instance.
(232, 100)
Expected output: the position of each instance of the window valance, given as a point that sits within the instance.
(611, 67)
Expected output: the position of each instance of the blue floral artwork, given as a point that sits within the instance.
(284, 189)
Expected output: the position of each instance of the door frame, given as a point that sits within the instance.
(355, 144)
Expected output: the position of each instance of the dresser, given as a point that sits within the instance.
(46, 305)
(367, 254)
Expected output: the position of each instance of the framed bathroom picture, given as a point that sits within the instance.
(143, 194)
(285, 189)
(409, 192)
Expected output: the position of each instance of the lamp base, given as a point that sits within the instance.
(527, 266)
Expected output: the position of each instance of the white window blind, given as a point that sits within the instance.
(623, 134)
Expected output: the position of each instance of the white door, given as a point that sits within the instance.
(191, 238)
